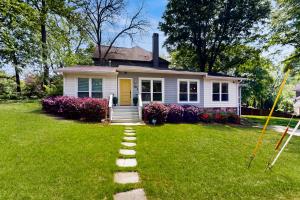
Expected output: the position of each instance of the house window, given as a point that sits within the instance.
(224, 92)
(157, 90)
(216, 92)
(151, 89)
(97, 88)
(188, 91)
(90, 88)
(220, 92)
(83, 87)
(146, 90)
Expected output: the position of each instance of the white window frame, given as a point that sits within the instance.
(220, 91)
(151, 87)
(90, 85)
(188, 90)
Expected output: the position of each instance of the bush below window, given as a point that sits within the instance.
(87, 109)
(173, 113)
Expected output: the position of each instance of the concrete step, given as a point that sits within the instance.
(124, 117)
(125, 120)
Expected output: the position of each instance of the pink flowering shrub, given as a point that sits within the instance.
(175, 113)
(157, 111)
(205, 117)
(191, 113)
(88, 109)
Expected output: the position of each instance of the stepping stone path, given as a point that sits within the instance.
(128, 144)
(127, 152)
(129, 138)
(129, 177)
(137, 194)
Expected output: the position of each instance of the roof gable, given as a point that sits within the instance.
(122, 53)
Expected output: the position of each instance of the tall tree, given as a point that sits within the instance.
(286, 30)
(107, 21)
(46, 8)
(208, 27)
(17, 36)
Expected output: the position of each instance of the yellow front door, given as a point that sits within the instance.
(125, 92)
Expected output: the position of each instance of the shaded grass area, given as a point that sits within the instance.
(43, 157)
(209, 162)
(274, 120)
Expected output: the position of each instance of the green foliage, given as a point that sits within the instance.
(7, 87)
(286, 30)
(55, 88)
(208, 27)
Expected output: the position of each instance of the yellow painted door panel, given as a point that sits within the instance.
(125, 92)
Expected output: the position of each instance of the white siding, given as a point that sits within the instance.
(232, 94)
(71, 80)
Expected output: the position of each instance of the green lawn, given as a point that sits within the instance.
(274, 120)
(47, 158)
(208, 162)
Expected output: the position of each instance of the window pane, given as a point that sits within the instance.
(224, 97)
(146, 86)
(224, 87)
(157, 86)
(83, 84)
(183, 86)
(216, 87)
(157, 96)
(146, 96)
(216, 97)
(96, 94)
(193, 87)
(83, 94)
(97, 85)
(193, 97)
(183, 97)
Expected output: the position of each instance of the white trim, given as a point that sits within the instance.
(188, 90)
(131, 92)
(220, 90)
(151, 87)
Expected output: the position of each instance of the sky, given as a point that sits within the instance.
(153, 11)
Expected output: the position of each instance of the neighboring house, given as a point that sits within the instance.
(148, 81)
(297, 100)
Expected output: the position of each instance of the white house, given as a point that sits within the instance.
(142, 77)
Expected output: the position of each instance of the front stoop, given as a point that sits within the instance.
(125, 114)
(137, 194)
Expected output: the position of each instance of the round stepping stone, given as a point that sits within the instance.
(126, 177)
(127, 162)
(127, 152)
(137, 194)
(129, 131)
(129, 138)
(129, 134)
(128, 144)
(128, 128)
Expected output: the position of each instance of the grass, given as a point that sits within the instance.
(43, 157)
(46, 158)
(274, 120)
(209, 162)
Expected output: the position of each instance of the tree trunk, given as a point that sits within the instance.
(44, 44)
(18, 82)
(100, 54)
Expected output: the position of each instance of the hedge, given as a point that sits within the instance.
(87, 109)
(173, 113)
